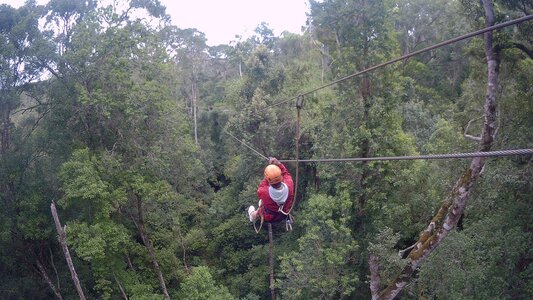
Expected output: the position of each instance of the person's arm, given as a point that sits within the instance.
(284, 171)
(287, 178)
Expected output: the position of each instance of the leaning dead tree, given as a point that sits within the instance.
(453, 206)
(63, 242)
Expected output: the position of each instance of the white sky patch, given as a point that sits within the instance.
(221, 20)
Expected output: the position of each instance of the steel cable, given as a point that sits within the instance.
(432, 156)
(435, 46)
(247, 146)
(498, 153)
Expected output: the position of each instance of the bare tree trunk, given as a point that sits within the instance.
(493, 66)
(194, 109)
(184, 250)
(271, 261)
(46, 278)
(6, 187)
(453, 207)
(151, 251)
(63, 242)
(5, 110)
(128, 260)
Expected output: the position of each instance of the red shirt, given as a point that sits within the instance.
(269, 208)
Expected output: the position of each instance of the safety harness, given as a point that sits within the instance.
(289, 219)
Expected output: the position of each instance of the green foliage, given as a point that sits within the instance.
(200, 285)
(110, 138)
(472, 263)
(32, 221)
(320, 267)
(87, 184)
(95, 242)
(389, 260)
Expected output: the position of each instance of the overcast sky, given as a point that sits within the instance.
(221, 20)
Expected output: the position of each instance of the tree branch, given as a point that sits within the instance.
(128, 259)
(401, 253)
(468, 136)
(526, 50)
(44, 274)
(122, 292)
(26, 109)
(54, 267)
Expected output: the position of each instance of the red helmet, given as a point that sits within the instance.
(273, 174)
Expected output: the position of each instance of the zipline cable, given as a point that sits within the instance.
(497, 153)
(247, 146)
(441, 44)
(422, 157)
(425, 157)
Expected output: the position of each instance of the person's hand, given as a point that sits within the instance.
(273, 161)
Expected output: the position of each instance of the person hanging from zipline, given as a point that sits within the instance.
(276, 194)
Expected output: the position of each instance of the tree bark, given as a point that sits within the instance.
(493, 65)
(6, 187)
(5, 111)
(128, 260)
(453, 207)
(44, 274)
(63, 242)
(524, 49)
(184, 250)
(194, 108)
(150, 247)
(54, 267)
(5, 132)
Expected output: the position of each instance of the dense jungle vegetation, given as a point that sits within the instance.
(121, 120)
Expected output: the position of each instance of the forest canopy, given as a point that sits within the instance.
(131, 151)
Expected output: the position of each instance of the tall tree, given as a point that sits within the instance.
(359, 34)
(25, 51)
(25, 55)
(453, 207)
(139, 158)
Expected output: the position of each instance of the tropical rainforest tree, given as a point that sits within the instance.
(134, 128)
